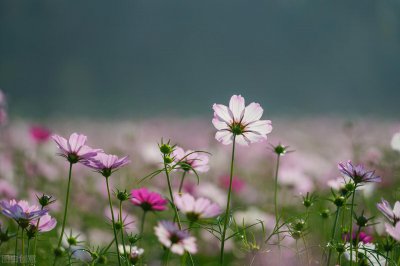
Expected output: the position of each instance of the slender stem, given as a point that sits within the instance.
(172, 196)
(191, 259)
(113, 221)
(276, 199)
(167, 257)
(181, 184)
(27, 251)
(142, 223)
(333, 234)
(16, 246)
(227, 203)
(66, 205)
(23, 248)
(109, 245)
(306, 249)
(36, 236)
(122, 227)
(357, 239)
(351, 227)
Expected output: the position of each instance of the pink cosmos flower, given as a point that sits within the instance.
(393, 231)
(237, 184)
(392, 214)
(358, 173)
(176, 240)
(46, 223)
(74, 149)
(189, 159)
(244, 122)
(362, 237)
(39, 134)
(147, 200)
(21, 211)
(196, 209)
(106, 164)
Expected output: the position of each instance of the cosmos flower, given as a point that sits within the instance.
(133, 252)
(362, 237)
(393, 214)
(393, 231)
(147, 200)
(74, 149)
(243, 122)
(106, 164)
(39, 134)
(21, 211)
(46, 223)
(196, 209)
(176, 240)
(191, 160)
(367, 254)
(237, 183)
(358, 173)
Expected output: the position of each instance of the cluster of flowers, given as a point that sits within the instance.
(235, 124)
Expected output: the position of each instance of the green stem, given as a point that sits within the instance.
(228, 203)
(113, 221)
(108, 247)
(357, 239)
(181, 184)
(23, 248)
(16, 246)
(36, 236)
(172, 196)
(142, 223)
(122, 227)
(27, 251)
(66, 205)
(351, 226)
(306, 249)
(333, 234)
(276, 199)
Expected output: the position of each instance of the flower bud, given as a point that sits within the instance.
(325, 214)
(122, 195)
(339, 201)
(166, 149)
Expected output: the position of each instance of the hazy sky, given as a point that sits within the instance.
(143, 58)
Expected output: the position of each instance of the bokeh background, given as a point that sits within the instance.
(135, 59)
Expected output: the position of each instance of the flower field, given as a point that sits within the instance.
(238, 188)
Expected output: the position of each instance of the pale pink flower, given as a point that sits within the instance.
(393, 214)
(74, 149)
(176, 240)
(189, 160)
(195, 209)
(393, 231)
(39, 134)
(148, 200)
(237, 183)
(46, 223)
(244, 122)
(106, 164)
(21, 211)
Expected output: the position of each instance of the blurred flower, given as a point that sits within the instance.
(358, 173)
(3, 117)
(191, 160)
(106, 164)
(367, 254)
(362, 237)
(7, 190)
(147, 200)
(395, 143)
(393, 231)
(254, 215)
(244, 122)
(295, 179)
(196, 209)
(133, 253)
(176, 240)
(74, 149)
(237, 184)
(393, 214)
(39, 134)
(211, 191)
(21, 211)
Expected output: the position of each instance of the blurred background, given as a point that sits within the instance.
(136, 59)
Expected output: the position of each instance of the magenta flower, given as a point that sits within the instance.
(74, 149)
(176, 240)
(393, 231)
(362, 237)
(106, 164)
(358, 173)
(196, 209)
(39, 134)
(46, 223)
(392, 214)
(21, 211)
(147, 200)
(237, 184)
(191, 160)
(243, 122)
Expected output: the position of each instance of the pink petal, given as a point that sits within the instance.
(236, 105)
(253, 112)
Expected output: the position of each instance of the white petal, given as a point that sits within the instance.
(252, 112)
(236, 105)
